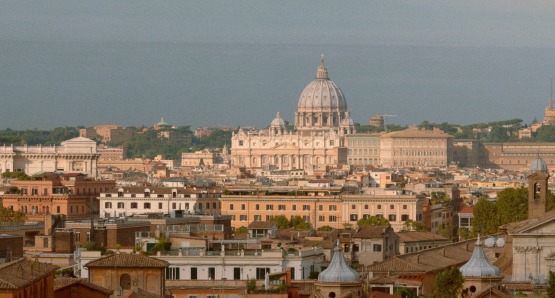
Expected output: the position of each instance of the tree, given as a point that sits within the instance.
(486, 218)
(299, 223)
(512, 205)
(281, 222)
(10, 217)
(325, 228)
(446, 231)
(464, 233)
(412, 225)
(241, 230)
(448, 283)
(551, 285)
(373, 221)
(546, 133)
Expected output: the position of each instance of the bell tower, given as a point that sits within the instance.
(537, 189)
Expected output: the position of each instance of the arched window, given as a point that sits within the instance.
(125, 282)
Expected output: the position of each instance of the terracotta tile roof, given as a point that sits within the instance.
(23, 272)
(467, 209)
(140, 293)
(261, 225)
(415, 236)
(518, 286)
(205, 284)
(60, 283)
(427, 260)
(370, 232)
(127, 260)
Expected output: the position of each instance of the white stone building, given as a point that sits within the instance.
(321, 123)
(74, 155)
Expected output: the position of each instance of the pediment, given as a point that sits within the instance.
(544, 226)
(285, 145)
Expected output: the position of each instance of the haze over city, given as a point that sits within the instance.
(67, 63)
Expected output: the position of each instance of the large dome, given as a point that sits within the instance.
(321, 104)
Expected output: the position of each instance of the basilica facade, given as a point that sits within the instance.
(318, 141)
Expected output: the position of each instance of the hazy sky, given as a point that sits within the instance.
(238, 62)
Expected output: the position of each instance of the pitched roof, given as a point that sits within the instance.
(415, 236)
(60, 283)
(262, 225)
(367, 232)
(20, 273)
(127, 260)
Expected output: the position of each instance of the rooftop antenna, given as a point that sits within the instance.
(384, 116)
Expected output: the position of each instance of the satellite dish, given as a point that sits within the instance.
(490, 242)
(500, 242)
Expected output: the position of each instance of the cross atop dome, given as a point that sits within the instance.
(322, 72)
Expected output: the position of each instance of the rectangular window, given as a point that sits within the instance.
(134, 205)
(211, 273)
(268, 217)
(404, 207)
(269, 207)
(236, 273)
(333, 218)
(354, 217)
(174, 206)
(281, 207)
(261, 273)
(333, 208)
(194, 275)
(121, 205)
(146, 206)
(243, 207)
(257, 218)
(306, 207)
(172, 273)
(306, 218)
(391, 206)
(321, 218)
(159, 205)
(404, 217)
(256, 207)
(366, 206)
(214, 205)
(353, 206)
(379, 206)
(58, 209)
(186, 206)
(242, 217)
(230, 206)
(392, 217)
(377, 247)
(294, 207)
(77, 236)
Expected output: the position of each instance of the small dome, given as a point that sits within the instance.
(500, 242)
(347, 121)
(478, 265)
(162, 123)
(278, 121)
(338, 270)
(538, 165)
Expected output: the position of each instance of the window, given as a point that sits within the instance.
(194, 275)
(306, 207)
(353, 206)
(243, 207)
(146, 206)
(379, 206)
(366, 206)
(294, 207)
(121, 205)
(125, 282)
(306, 218)
(172, 273)
(321, 218)
(320, 207)
(256, 207)
(159, 205)
(173, 205)
(77, 236)
(269, 207)
(392, 217)
(107, 205)
(134, 205)
(333, 218)
(58, 209)
(211, 273)
(45, 242)
(404, 207)
(281, 207)
(257, 218)
(377, 247)
(354, 217)
(230, 206)
(261, 272)
(404, 217)
(236, 273)
(391, 206)
(242, 217)
(333, 208)
(214, 205)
